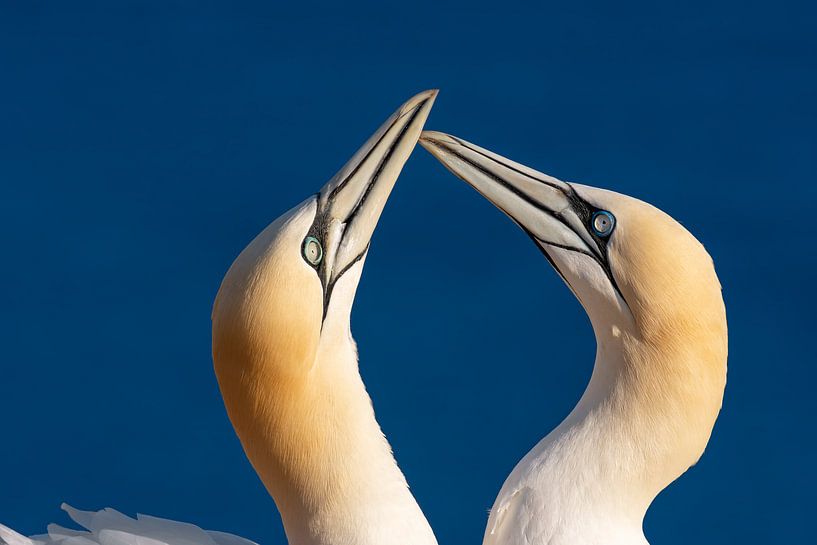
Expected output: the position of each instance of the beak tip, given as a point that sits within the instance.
(435, 137)
(435, 143)
(420, 100)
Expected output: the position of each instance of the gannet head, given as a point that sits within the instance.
(282, 348)
(649, 288)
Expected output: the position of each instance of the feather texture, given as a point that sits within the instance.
(110, 527)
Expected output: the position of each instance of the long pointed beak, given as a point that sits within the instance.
(352, 201)
(546, 208)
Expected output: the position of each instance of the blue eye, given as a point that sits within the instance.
(312, 250)
(603, 223)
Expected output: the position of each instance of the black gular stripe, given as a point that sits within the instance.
(584, 210)
(550, 260)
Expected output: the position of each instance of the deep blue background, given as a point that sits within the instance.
(143, 144)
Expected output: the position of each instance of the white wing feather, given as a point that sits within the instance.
(110, 527)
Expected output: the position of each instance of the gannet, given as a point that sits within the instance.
(287, 367)
(655, 305)
(287, 364)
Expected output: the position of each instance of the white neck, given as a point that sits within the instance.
(353, 492)
(632, 433)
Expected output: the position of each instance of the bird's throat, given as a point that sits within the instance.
(643, 420)
(314, 441)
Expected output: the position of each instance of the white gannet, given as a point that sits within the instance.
(287, 364)
(654, 301)
(287, 367)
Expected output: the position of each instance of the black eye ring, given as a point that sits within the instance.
(603, 223)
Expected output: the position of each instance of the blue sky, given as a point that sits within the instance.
(145, 143)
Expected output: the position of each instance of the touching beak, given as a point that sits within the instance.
(547, 209)
(350, 204)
